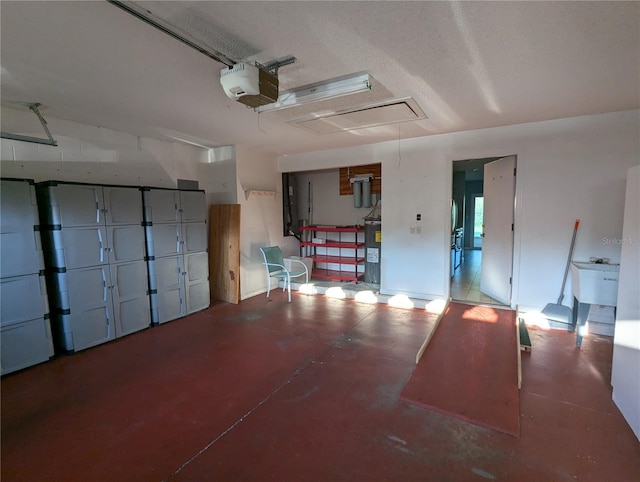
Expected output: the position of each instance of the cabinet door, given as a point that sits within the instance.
(169, 278)
(193, 206)
(18, 204)
(197, 281)
(21, 249)
(194, 237)
(90, 320)
(126, 243)
(25, 344)
(131, 307)
(83, 247)
(166, 240)
(162, 206)
(72, 205)
(23, 298)
(123, 205)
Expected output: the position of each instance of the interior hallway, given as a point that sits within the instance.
(465, 284)
(308, 390)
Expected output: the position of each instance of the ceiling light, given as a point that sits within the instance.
(320, 91)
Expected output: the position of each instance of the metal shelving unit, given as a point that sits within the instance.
(330, 256)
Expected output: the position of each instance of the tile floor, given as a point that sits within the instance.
(465, 284)
(302, 391)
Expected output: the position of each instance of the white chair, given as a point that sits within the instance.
(274, 263)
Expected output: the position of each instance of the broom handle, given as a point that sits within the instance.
(566, 269)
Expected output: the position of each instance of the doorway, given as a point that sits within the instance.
(468, 191)
(477, 206)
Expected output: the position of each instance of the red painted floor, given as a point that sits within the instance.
(477, 345)
(308, 390)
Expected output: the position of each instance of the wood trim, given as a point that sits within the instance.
(346, 172)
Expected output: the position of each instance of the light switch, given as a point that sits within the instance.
(412, 230)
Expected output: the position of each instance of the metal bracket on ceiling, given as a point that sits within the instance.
(36, 140)
(273, 65)
(142, 13)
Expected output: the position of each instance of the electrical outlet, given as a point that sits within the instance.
(412, 230)
(418, 229)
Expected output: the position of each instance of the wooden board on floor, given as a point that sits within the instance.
(469, 369)
(525, 340)
(423, 347)
(224, 252)
(518, 348)
(524, 344)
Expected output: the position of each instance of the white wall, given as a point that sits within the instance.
(95, 155)
(260, 217)
(329, 207)
(220, 176)
(625, 371)
(567, 169)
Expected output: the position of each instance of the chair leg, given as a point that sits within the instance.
(289, 287)
(268, 286)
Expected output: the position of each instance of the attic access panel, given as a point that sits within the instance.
(389, 112)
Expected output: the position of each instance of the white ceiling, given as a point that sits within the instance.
(468, 65)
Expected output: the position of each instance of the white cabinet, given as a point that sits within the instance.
(94, 243)
(176, 239)
(25, 330)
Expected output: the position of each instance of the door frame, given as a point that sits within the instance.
(517, 207)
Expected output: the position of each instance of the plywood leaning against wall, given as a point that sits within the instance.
(224, 252)
(346, 188)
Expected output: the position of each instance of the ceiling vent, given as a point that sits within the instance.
(371, 115)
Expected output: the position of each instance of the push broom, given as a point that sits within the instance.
(557, 311)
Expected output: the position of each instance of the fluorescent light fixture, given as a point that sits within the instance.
(320, 91)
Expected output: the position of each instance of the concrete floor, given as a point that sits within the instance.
(301, 391)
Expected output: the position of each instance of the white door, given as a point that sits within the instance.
(497, 245)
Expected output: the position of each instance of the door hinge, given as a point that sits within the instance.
(514, 171)
(510, 280)
(511, 226)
